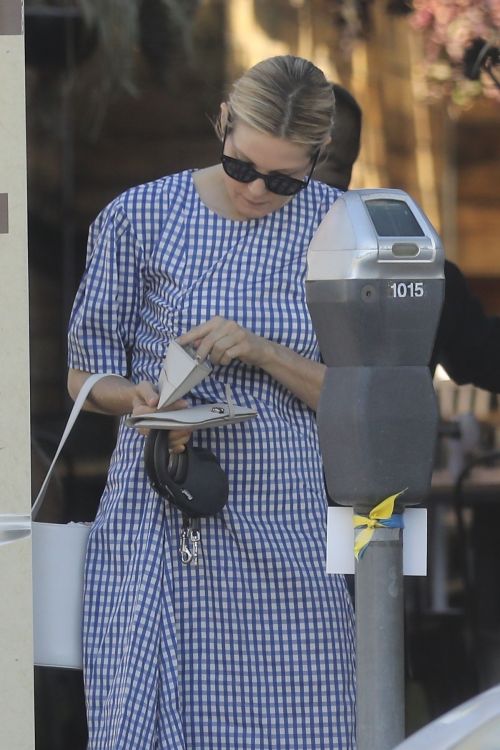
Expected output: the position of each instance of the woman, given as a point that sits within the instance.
(253, 649)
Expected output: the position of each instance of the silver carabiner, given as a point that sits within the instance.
(186, 554)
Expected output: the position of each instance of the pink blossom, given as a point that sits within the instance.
(448, 27)
(494, 10)
(421, 19)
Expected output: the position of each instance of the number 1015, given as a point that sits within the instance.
(406, 289)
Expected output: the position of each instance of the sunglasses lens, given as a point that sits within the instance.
(238, 170)
(281, 184)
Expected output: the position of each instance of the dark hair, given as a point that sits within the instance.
(343, 149)
(348, 121)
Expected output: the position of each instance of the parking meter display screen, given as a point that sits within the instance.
(393, 218)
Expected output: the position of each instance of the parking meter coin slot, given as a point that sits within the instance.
(405, 249)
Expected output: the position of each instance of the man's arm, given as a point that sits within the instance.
(468, 341)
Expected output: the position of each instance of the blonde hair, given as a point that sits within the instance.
(284, 96)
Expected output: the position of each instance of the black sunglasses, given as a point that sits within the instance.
(275, 182)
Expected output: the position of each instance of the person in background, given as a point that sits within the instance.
(467, 342)
(253, 649)
(340, 156)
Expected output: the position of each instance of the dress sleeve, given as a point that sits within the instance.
(106, 309)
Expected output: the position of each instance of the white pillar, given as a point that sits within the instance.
(16, 652)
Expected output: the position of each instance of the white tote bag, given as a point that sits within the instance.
(58, 559)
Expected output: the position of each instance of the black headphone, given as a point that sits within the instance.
(193, 480)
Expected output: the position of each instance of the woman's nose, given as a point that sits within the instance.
(257, 187)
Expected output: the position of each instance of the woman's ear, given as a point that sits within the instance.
(223, 115)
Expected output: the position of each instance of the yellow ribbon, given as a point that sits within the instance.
(382, 515)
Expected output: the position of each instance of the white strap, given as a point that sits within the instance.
(229, 399)
(77, 407)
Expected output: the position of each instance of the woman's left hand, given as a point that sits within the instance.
(224, 340)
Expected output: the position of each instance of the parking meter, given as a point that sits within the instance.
(375, 288)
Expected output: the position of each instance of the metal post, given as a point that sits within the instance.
(380, 642)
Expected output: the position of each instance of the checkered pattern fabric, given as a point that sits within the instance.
(254, 649)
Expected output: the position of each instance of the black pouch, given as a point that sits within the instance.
(193, 481)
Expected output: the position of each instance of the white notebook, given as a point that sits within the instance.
(195, 418)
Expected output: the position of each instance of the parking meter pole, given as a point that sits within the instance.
(378, 425)
(380, 643)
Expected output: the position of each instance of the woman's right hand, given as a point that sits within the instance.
(145, 401)
(145, 398)
(117, 396)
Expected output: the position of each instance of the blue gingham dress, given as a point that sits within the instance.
(254, 649)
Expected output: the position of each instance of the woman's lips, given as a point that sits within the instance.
(256, 205)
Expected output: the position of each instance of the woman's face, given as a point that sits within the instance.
(265, 153)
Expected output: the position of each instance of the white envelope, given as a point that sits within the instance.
(180, 373)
